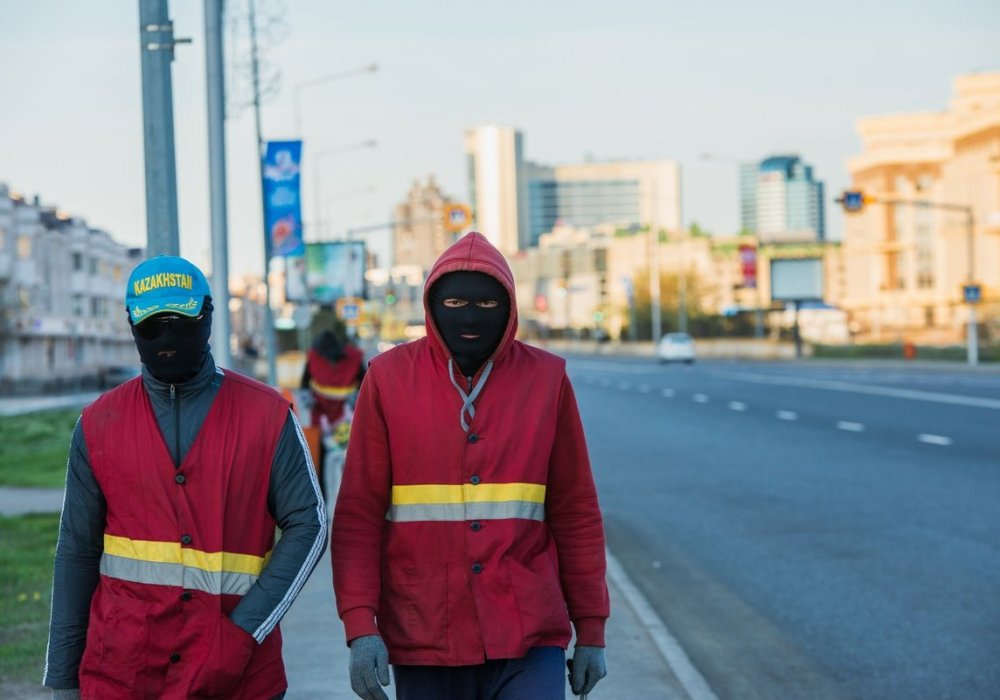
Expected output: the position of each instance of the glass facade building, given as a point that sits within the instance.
(780, 197)
(581, 203)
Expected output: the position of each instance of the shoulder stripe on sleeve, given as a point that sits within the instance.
(314, 552)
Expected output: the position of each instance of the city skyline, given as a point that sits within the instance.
(638, 81)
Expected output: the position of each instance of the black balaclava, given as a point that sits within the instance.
(174, 358)
(328, 345)
(471, 332)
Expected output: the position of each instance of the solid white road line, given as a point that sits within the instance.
(787, 415)
(850, 426)
(700, 398)
(671, 651)
(737, 406)
(934, 439)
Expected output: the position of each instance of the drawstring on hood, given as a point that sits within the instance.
(467, 399)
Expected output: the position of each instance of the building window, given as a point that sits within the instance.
(3, 239)
(77, 262)
(24, 247)
(78, 303)
(929, 316)
(93, 266)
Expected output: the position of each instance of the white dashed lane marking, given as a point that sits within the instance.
(668, 393)
(737, 406)
(644, 388)
(787, 415)
(934, 439)
(700, 398)
(850, 426)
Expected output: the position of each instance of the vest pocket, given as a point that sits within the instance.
(413, 610)
(124, 643)
(540, 599)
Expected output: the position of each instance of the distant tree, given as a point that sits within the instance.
(697, 231)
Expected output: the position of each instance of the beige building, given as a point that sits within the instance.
(419, 235)
(906, 265)
(497, 185)
(578, 280)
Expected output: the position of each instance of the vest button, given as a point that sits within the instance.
(180, 478)
(186, 596)
(475, 479)
(477, 568)
(174, 658)
(473, 438)
(476, 526)
(185, 539)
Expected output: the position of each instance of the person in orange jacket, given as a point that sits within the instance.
(467, 536)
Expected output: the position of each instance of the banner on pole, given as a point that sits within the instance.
(748, 264)
(282, 198)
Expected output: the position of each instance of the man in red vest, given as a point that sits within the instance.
(168, 582)
(467, 536)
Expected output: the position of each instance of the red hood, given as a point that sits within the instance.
(472, 253)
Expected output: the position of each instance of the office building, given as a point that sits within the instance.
(624, 193)
(419, 234)
(780, 200)
(497, 185)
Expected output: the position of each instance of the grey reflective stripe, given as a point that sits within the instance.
(525, 510)
(161, 574)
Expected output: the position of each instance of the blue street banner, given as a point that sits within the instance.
(282, 198)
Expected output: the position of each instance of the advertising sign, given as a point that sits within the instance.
(282, 198)
(295, 278)
(335, 270)
(797, 279)
(748, 263)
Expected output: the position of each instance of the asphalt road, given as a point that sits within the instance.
(808, 531)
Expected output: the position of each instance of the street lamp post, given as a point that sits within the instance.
(322, 80)
(317, 160)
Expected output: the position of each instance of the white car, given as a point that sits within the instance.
(676, 347)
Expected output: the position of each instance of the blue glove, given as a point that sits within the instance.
(586, 668)
(369, 667)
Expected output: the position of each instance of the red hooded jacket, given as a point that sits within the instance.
(459, 545)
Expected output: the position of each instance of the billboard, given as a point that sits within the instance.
(282, 198)
(797, 279)
(748, 265)
(335, 270)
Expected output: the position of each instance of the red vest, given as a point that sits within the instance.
(333, 382)
(181, 545)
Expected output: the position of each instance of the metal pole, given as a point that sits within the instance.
(972, 337)
(272, 368)
(682, 312)
(156, 49)
(215, 82)
(796, 333)
(654, 276)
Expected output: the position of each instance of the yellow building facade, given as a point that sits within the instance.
(906, 264)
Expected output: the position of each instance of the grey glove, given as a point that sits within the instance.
(586, 668)
(65, 694)
(369, 667)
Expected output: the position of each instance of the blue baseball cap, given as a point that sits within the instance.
(165, 284)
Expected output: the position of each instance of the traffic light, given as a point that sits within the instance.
(390, 297)
(854, 200)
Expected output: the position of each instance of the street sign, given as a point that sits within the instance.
(457, 217)
(973, 293)
(349, 310)
(854, 200)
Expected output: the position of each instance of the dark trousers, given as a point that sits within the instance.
(538, 675)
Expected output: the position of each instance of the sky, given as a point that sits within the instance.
(629, 79)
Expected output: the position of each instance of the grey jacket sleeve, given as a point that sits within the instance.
(77, 567)
(297, 506)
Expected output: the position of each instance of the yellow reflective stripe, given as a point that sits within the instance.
(332, 392)
(173, 553)
(421, 494)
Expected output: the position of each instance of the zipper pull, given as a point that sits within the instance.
(469, 380)
(173, 392)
